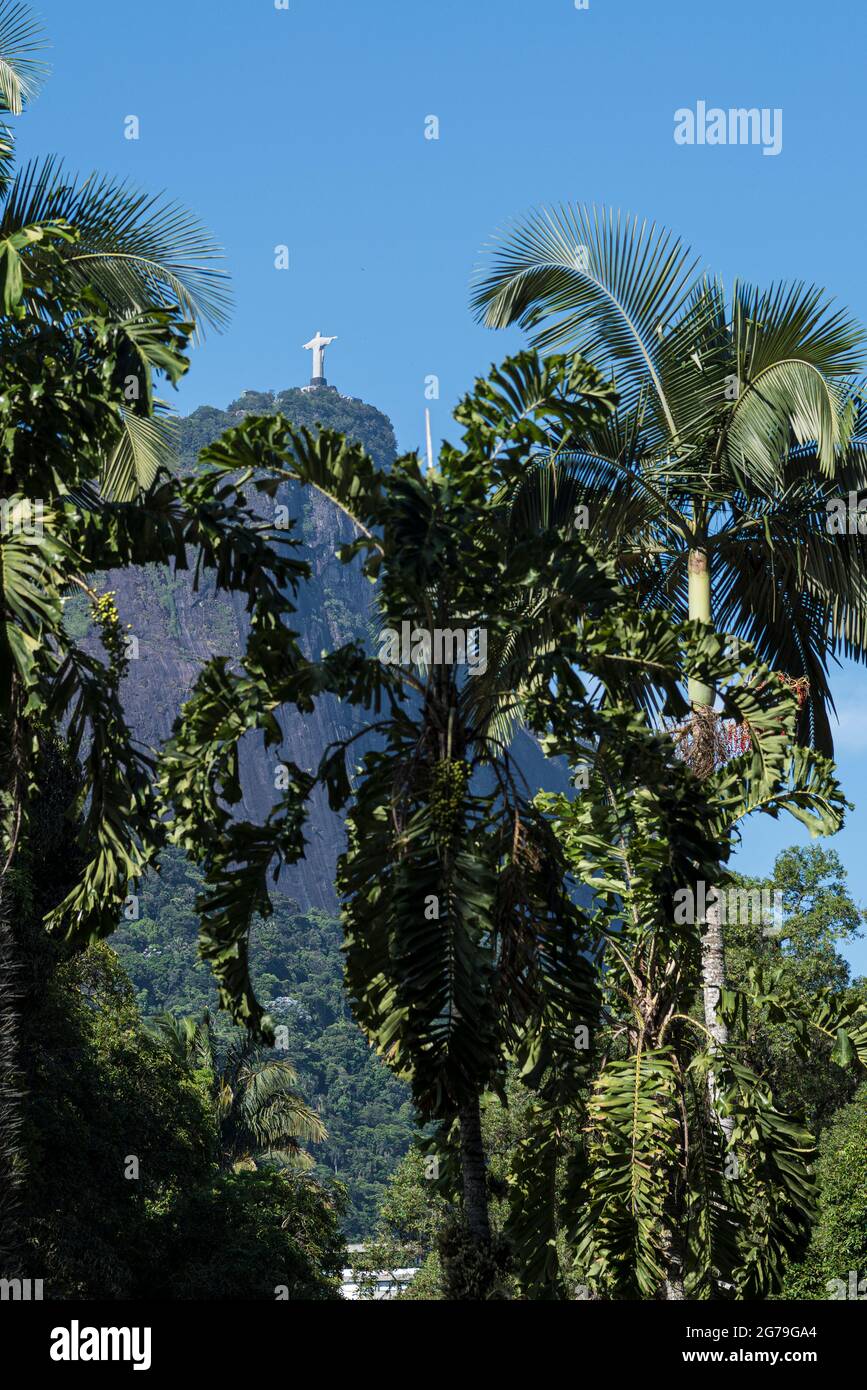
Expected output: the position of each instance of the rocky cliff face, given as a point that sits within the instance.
(176, 630)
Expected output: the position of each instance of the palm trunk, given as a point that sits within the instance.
(712, 946)
(713, 972)
(474, 1173)
(698, 566)
(467, 1254)
(10, 1102)
(672, 1290)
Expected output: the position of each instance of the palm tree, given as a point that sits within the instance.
(257, 1109)
(143, 254)
(455, 918)
(740, 420)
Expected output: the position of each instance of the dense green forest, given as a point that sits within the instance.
(325, 407)
(127, 1195)
(297, 966)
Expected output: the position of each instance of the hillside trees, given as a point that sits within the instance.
(818, 916)
(835, 1264)
(258, 1110)
(296, 963)
(123, 1195)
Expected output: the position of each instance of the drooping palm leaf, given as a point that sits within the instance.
(146, 444)
(604, 286)
(274, 1113)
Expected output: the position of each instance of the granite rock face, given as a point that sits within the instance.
(177, 629)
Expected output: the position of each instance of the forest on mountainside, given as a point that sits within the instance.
(297, 964)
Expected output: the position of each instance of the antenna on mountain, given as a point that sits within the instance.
(430, 462)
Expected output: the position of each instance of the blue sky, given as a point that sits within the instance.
(305, 127)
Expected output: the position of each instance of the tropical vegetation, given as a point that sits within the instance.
(615, 1090)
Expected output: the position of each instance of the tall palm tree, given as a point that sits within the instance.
(142, 253)
(740, 419)
(257, 1109)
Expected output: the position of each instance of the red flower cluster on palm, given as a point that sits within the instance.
(738, 739)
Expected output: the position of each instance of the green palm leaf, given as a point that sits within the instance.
(788, 399)
(138, 250)
(22, 39)
(607, 287)
(632, 1115)
(146, 444)
(274, 1113)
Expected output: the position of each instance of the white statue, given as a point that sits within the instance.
(317, 346)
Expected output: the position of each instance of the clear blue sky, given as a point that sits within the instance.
(305, 127)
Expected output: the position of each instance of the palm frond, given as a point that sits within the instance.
(272, 1111)
(795, 321)
(22, 71)
(146, 444)
(620, 1237)
(187, 1040)
(137, 249)
(606, 286)
(787, 399)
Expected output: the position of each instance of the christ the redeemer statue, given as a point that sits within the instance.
(317, 346)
